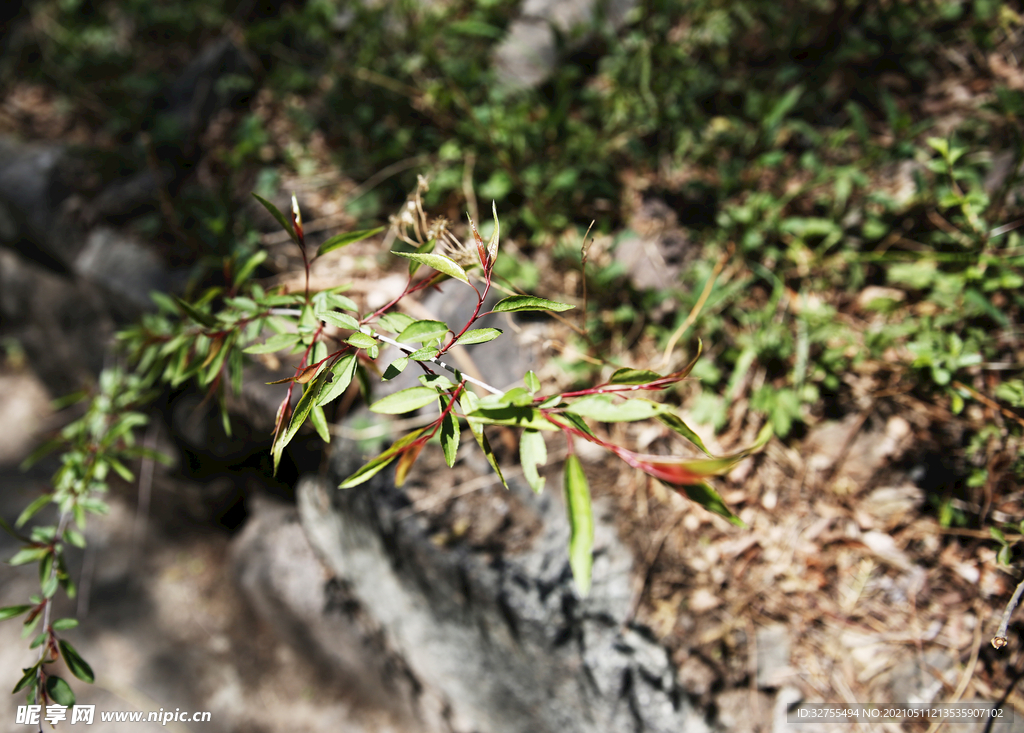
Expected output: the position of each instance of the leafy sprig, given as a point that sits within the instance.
(207, 337)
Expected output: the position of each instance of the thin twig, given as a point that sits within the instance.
(145, 488)
(698, 306)
(965, 679)
(999, 640)
(583, 272)
(988, 402)
(410, 349)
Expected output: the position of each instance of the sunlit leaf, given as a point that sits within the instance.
(492, 244)
(533, 452)
(449, 435)
(406, 460)
(342, 371)
(581, 523)
(511, 415)
(341, 320)
(395, 368)
(439, 262)
(280, 342)
(605, 408)
(676, 423)
(376, 465)
(468, 403)
(478, 336)
(423, 331)
(708, 498)
(633, 376)
(319, 420)
(406, 400)
(395, 322)
(361, 340)
(518, 303)
(532, 382)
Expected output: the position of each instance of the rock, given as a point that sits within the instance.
(63, 326)
(527, 55)
(24, 411)
(773, 655)
(501, 637)
(892, 505)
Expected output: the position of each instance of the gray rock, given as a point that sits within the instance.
(501, 637)
(528, 54)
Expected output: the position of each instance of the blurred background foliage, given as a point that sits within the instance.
(846, 171)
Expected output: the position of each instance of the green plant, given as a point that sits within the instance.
(206, 338)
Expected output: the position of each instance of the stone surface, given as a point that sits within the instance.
(501, 637)
(528, 54)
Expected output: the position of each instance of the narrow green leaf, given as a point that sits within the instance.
(533, 452)
(437, 382)
(516, 397)
(343, 240)
(75, 537)
(334, 300)
(276, 213)
(197, 315)
(407, 400)
(708, 498)
(492, 244)
(676, 423)
(581, 523)
(78, 666)
(59, 691)
(395, 368)
(361, 340)
(319, 420)
(299, 415)
(439, 262)
(719, 466)
(633, 376)
(280, 342)
(449, 435)
(341, 320)
(27, 678)
(376, 465)
(427, 353)
(342, 371)
(63, 624)
(469, 403)
(27, 555)
(532, 382)
(604, 408)
(511, 415)
(423, 331)
(45, 449)
(518, 303)
(32, 509)
(49, 586)
(121, 469)
(395, 322)
(249, 267)
(478, 336)
(12, 611)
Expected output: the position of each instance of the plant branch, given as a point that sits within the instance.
(409, 350)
